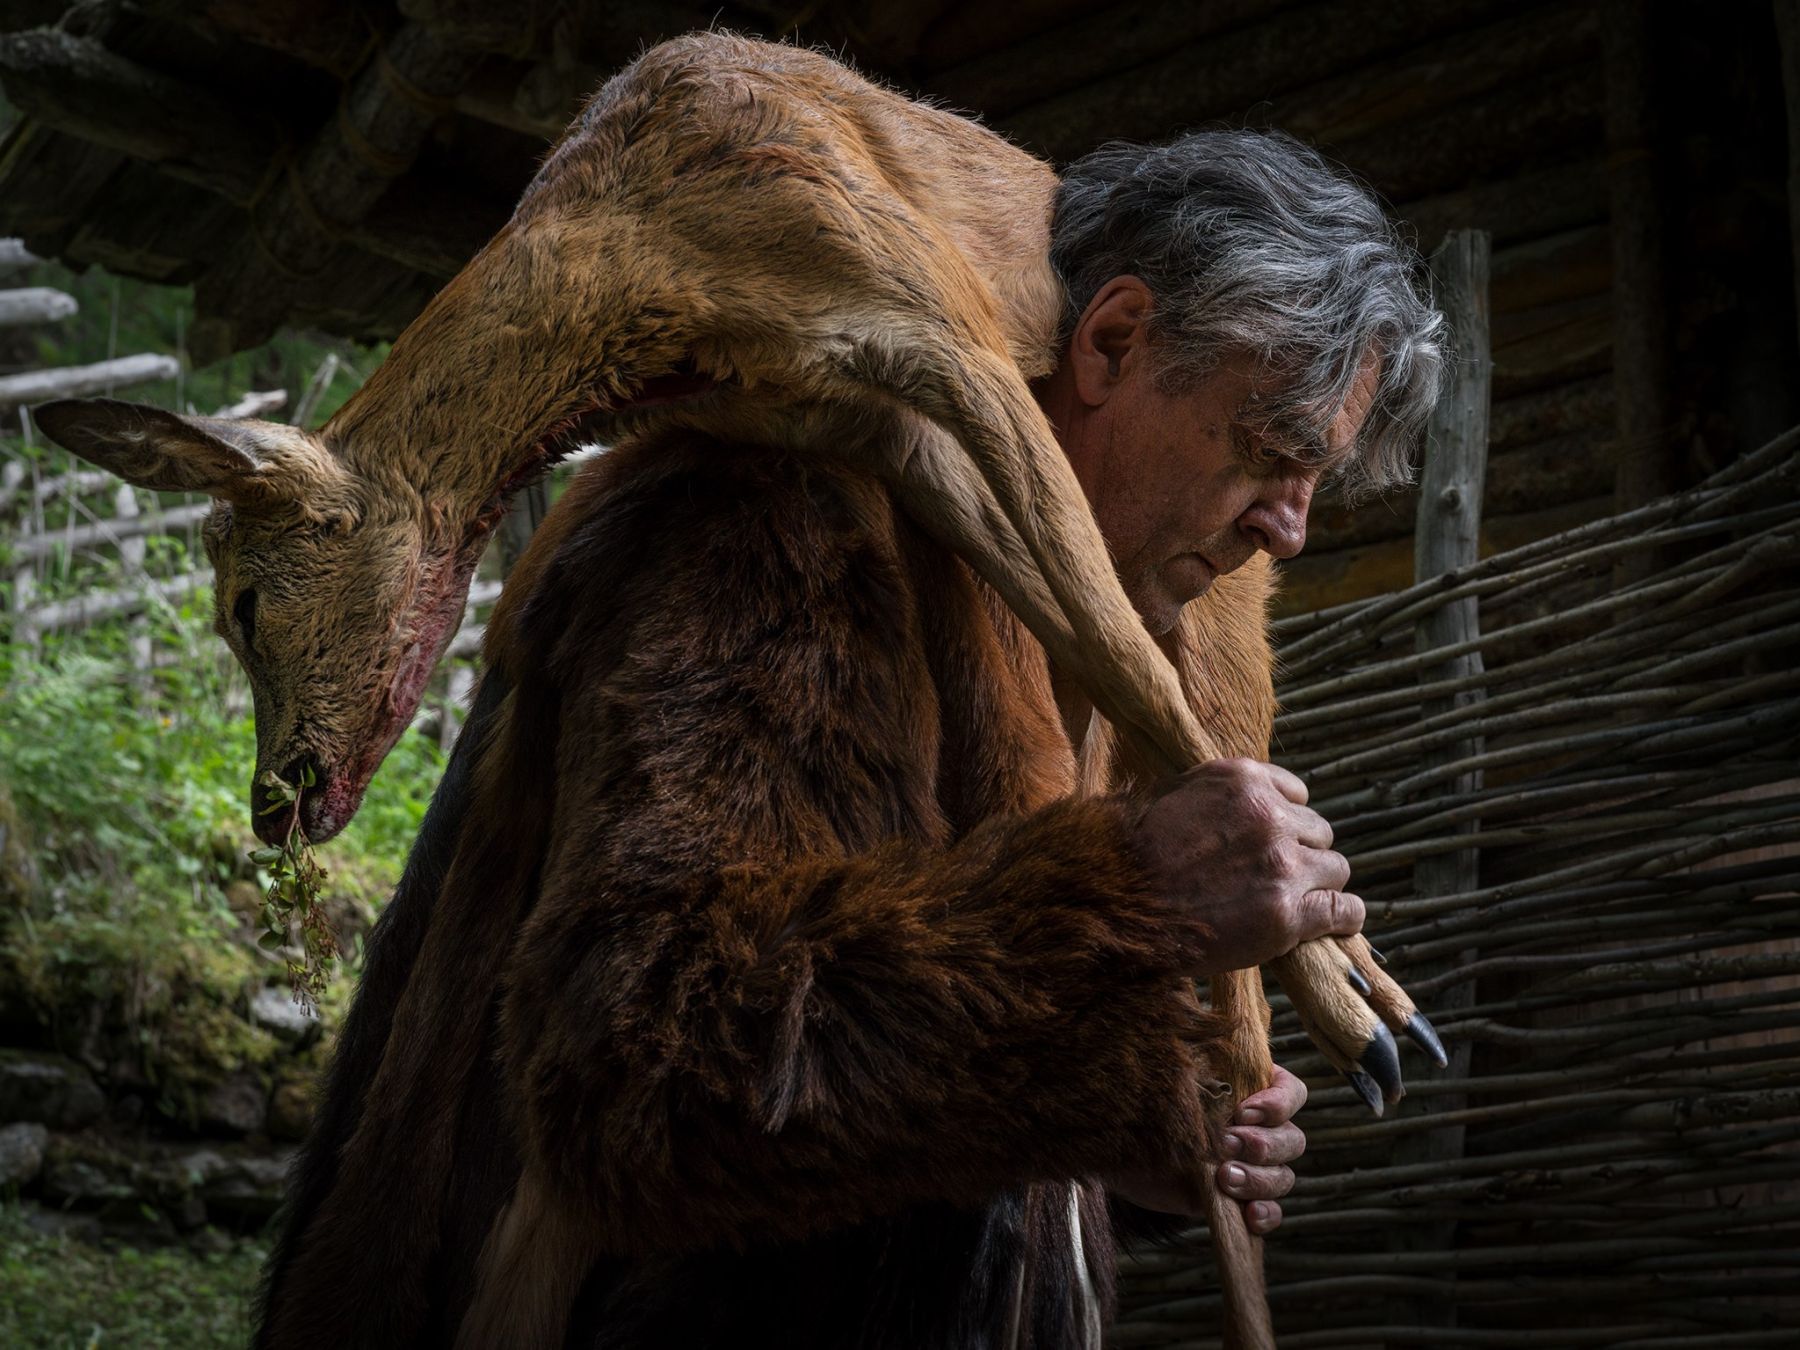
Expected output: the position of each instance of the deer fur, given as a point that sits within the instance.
(739, 240)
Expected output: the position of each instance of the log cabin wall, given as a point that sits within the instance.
(331, 163)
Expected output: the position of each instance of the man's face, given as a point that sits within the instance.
(1186, 487)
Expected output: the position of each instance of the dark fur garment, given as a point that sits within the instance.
(756, 910)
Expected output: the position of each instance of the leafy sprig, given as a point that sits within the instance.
(293, 915)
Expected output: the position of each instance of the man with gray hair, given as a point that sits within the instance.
(1241, 323)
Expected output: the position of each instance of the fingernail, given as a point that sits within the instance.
(1234, 1145)
(1234, 1175)
(1250, 1115)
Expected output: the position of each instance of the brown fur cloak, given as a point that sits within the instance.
(759, 909)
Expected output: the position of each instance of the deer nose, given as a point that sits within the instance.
(273, 816)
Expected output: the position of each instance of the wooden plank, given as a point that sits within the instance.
(329, 35)
(968, 32)
(93, 607)
(1320, 580)
(1580, 406)
(1524, 206)
(1521, 479)
(1551, 344)
(1222, 76)
(48, 182)
(1497, 134)
(1563, 266)
(15, 257)
(35, 386)
(35, 304)
(299, 223)
(106, 533)
(1433, 77)
(75, 85)
(1093, 45)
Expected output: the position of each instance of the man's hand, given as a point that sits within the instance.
(1233, 842)
(1259, 1144)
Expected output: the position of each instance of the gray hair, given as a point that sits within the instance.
(1250, 241)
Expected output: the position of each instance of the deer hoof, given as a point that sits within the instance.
(1366, 1089)
(1426, 1038)
(1380, 1060)
(1353, 1009)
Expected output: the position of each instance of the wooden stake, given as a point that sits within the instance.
(1448, 537)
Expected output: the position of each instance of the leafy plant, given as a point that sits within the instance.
(294, 898)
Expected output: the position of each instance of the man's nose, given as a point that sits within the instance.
(1276, 521)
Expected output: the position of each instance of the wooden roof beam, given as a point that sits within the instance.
(75, 85)
(319, 197)
(1222, 75)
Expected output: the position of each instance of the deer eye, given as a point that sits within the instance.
(243, 609)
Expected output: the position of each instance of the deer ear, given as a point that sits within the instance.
(155, 448)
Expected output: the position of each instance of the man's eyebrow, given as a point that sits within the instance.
(1290, 437)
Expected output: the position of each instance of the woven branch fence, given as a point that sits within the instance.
(1613, 1157)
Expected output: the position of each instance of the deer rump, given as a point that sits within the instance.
(752, 244)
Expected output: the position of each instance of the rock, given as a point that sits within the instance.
(58, 1223)
(291, 1110)
(244, 897)
(22, 1149)
(88, 1180)
(275, 1009)
(240, 1103)
(246, 1184)
(49, 1089)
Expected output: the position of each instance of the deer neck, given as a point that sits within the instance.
(475, 401)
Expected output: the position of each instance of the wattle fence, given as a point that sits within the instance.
(1613, 1157)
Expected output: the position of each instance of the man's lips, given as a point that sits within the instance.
(1188, 575)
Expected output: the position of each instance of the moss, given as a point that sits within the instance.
(58, 1292)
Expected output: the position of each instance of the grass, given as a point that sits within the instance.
(57, 1291)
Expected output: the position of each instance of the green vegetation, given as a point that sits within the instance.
(130, 792)
(131, 909)
(57, 1293)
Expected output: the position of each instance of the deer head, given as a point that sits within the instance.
(335, 589)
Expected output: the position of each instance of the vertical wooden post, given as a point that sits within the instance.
(1645, 468)
(131, 559)
(1787, 27)
(1447, 536)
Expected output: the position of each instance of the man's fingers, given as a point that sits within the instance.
(1241, 1181)
(1263, 1217)
(1325, 912)
(1265, 1147)
(1310, 828)
(1324, 869)
(1276, 1104)
(1287, 783)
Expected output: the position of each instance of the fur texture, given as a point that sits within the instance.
(815, 984)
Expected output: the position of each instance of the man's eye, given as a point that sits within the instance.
(243, 609)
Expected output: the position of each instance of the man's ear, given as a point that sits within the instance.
(154, 448)
(1112, 332)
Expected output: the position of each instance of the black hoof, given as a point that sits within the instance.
(1427, 1038)
(1366, 1089)
(1359, 981)
(1381, 1061)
